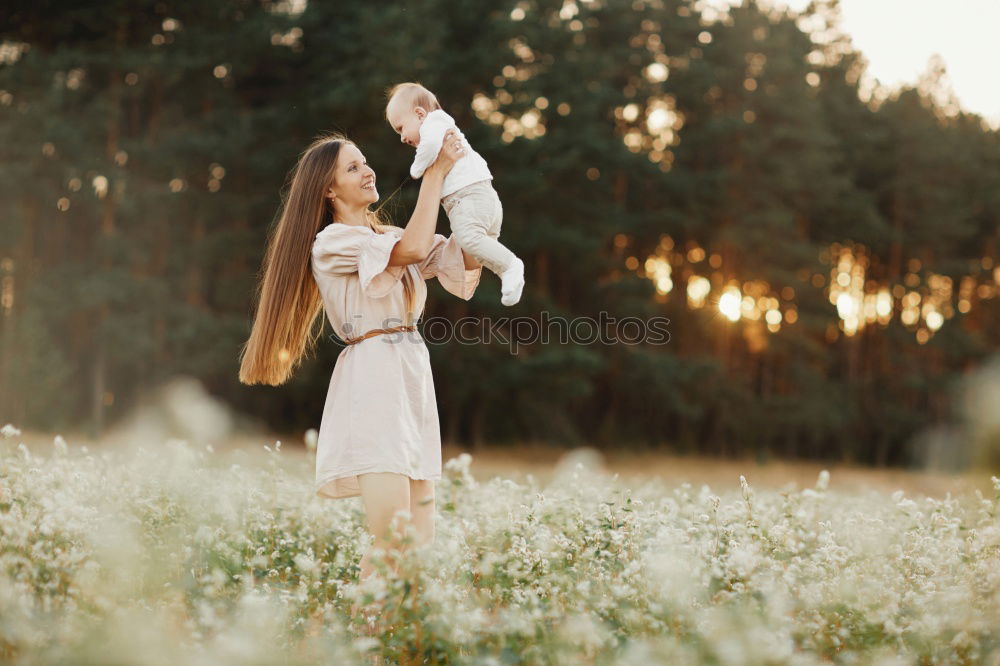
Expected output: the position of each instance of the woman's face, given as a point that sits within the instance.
(353, 180)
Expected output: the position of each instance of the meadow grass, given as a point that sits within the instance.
(180, 554)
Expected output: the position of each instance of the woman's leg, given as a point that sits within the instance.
(422, 509)
(383, 494)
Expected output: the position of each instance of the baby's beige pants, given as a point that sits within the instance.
(476, 214)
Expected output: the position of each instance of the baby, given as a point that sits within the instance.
(472, 205)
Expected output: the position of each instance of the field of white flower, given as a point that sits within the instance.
(178, 554)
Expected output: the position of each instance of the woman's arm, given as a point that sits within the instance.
(418, 236)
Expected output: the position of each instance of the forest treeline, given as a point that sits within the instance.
(824, 253)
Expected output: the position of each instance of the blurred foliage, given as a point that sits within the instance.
(145, 147)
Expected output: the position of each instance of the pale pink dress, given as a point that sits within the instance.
(381, 412)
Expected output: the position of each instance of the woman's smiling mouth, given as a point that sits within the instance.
(368, 186)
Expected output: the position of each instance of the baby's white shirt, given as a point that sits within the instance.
(470, 168)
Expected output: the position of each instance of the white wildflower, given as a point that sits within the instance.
(457, 470)
(743, 560)
(823, 482)
(204, 534)
(583, 630)
(305, 564)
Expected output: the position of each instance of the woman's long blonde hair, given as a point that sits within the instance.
(288, 300)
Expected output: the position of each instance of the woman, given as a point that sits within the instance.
(379, 436)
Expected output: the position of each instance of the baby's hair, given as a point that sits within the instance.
(414, 94)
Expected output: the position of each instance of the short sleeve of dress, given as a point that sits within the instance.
(446, 263)
(342, 249)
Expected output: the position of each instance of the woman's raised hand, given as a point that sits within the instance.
(451, 152)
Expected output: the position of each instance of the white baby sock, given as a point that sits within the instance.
(512, 282)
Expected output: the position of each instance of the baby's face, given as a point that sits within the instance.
(406, 122)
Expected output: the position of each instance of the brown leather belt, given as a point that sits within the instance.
(379, 331)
